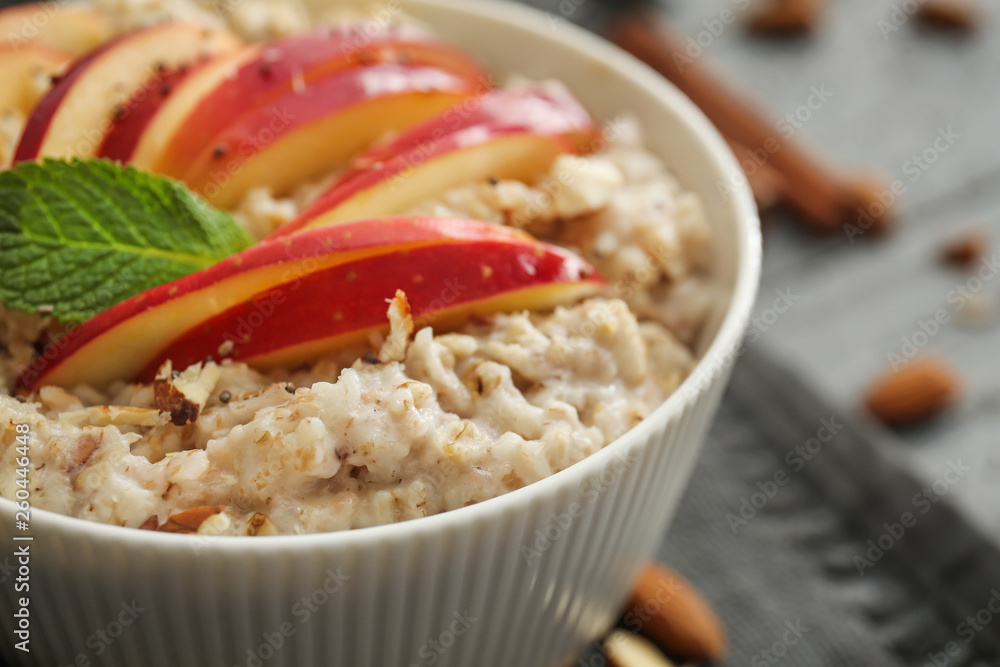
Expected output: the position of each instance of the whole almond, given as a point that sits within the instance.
(189, 520)
(667, 609)
(965, 251)
(915, 392)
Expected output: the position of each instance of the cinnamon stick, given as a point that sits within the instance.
(822, 199)
(769, 187)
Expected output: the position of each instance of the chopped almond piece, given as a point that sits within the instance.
(190, 520)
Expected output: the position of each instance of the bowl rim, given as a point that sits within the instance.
(723, 349)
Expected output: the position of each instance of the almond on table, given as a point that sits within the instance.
(966, 250)
(667, 609)
(916, 392)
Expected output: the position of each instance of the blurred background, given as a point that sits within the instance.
(846, 508)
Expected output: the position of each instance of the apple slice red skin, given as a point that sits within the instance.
(169, 119)
(138, 112)
(502, 113)
(30, 147)
(303, 60)
(230, 150)
(350, 299)
(33, 135)
(535, 109)
(360, 181)
(346, 242)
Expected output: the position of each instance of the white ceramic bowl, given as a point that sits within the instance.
(526, 579)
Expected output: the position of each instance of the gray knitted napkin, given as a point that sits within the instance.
(829, 553)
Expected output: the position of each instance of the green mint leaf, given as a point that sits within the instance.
(83, 235)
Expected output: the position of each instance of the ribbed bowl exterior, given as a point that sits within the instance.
(532, 586)
(527, 579)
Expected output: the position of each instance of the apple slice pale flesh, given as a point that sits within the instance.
(71, 27)
(295, 64)
(74, 117)
(159, 110)
(289, 301)
(311, 132)
(19, 71)
(507, 134)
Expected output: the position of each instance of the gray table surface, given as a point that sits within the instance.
(892, 92)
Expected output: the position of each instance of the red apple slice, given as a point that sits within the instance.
(159, 110)
(509, 134)
(134, 116)
(343, 304)
(297, 63)
(64, 26)
(304, 296)
(310, 132)
(77, 113)
(19, 70)
(538, 109)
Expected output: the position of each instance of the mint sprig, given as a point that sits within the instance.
(78, 237)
